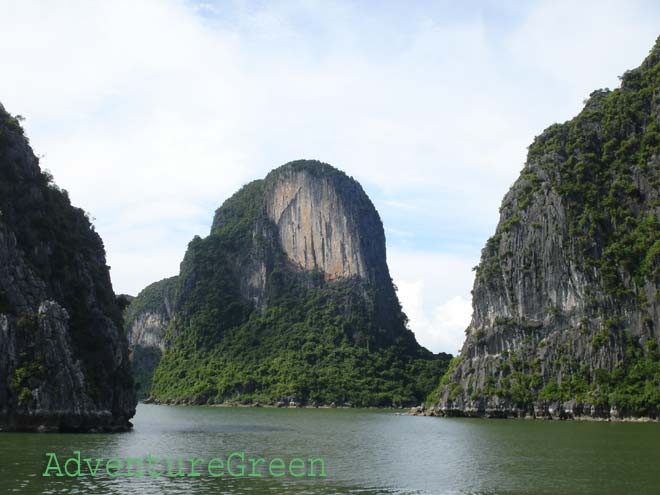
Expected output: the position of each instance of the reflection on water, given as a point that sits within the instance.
(365, 452)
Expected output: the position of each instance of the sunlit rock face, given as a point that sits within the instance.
(316, 228)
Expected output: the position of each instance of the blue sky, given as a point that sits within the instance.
(152, 113)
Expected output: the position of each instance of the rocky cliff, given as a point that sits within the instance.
(317, 228)
(566, 302)
(289, 299)
(63, 354)
(145, 321)
(147, 316)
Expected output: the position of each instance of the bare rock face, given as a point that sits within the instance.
(149, 330)
(51, 388)
(566, 299)
(63, 355)
(145, 321)
(325, 222)
(148, 315)
(315, 228)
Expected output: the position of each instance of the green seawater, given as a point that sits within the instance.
(365, 452)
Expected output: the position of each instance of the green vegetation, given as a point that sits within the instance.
(236, 217)
(144, 361)
(26, 377)
(434, 396)
(309, 344)
(28, 322)
(633, 386)
(603, 154)
(600, 338)
(597, 163)
(299, 351)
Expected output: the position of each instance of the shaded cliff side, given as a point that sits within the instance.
(63, 354)
(146, 321)
(566, 302)
(289, 299)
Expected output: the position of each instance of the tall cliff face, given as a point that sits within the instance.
(318, 226)
(63, 355)
(148, 315)
(566, 302)
(145, 322)
(290, 299)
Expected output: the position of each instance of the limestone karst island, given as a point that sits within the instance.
(192, 301)
(288, 301)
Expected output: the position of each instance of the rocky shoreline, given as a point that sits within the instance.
(556, 412)
(47, 422)
(273, 405)
(549, 413)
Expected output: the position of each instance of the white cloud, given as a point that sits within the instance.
(434, 290)
(152, 113)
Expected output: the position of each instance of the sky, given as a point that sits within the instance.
(152, 113)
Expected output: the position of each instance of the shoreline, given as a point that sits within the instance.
(519, 415)
(279, 405)
(431, 412)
